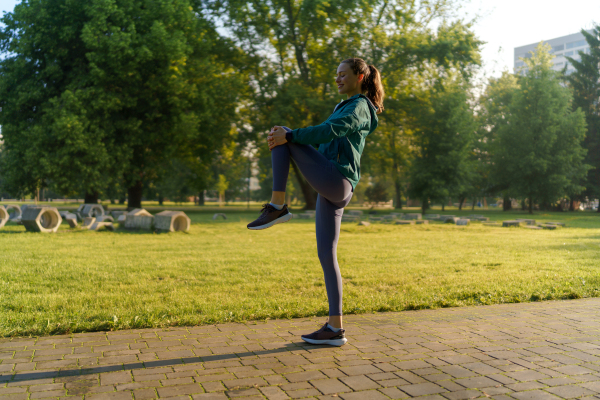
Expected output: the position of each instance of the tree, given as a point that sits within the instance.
(119, 90)
(222, 186)
(443, 141)
(539, 149)
(585, 82)
(298, 45)
(377, 192)
(494, 113)
(230, 163)
(173, 183)
(413, 57)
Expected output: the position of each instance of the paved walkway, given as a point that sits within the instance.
(524, 351)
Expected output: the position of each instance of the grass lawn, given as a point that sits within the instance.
(77, 280)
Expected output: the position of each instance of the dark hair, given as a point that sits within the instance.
(371, 85)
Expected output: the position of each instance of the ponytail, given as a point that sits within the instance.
(371, 85)
(373, 88)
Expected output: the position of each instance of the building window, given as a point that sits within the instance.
(559, 65)
(568, 54)
(559, 48)
(572, 45)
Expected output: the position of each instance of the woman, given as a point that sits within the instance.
(333, 171)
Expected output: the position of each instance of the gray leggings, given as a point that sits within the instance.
(335, 192)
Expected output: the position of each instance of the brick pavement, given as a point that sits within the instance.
(532, 351)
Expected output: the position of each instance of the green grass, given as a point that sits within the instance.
(77, 280)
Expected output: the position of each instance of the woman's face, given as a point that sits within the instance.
(347, 81)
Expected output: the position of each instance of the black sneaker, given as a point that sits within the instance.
(270, 216)
(326, 336)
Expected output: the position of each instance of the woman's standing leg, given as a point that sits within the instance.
(328, 221)
(329, 218)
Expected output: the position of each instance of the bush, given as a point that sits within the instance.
(377, 192)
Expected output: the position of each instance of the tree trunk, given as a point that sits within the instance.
(201, 198)
(424, 207)
(134, 195)
(161, 199)
(571, 205)
(506, 204)
(398, 197)
(396, 173)
(91, 198)
(310, 196)
(530, 205)
(443, 206)
(473, 205)
(461, 200)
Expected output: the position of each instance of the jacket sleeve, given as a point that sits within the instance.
(341, 125)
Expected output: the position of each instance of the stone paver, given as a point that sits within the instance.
(532, 351)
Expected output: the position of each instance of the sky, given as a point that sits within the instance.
(506, 24)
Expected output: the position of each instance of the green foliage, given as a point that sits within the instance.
(297, 46)
(377, 192)
(494, 113)
(174, 183)
(120, 89)
(537, 151)
(230, 165)
(444, 140)
(413, 57)
(222, 184)
(585, 82)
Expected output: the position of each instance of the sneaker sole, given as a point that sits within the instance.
(279, 220)
(334, 342)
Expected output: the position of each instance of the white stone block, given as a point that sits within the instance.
(172, 221)
(96, 226)
(91, 210)
(4, 216)
(41, 219)
(88, 222)
(139, 219)
(14, 212)
(117, 214)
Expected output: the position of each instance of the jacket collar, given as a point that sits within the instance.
(356, 96)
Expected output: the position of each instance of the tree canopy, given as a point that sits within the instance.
(445, 129)
(120, 89)
(537, 149)
(585, 82)
(125, 98)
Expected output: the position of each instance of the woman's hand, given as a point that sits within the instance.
(276, 137)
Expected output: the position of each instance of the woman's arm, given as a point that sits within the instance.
(339, 126)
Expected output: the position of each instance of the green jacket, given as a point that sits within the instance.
(341, 138)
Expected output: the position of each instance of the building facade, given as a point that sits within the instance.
(565, 46)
